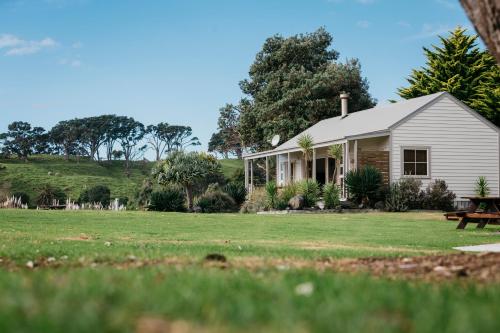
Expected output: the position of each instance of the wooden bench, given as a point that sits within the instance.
(482, 219)
(454, 216)
(482, 210)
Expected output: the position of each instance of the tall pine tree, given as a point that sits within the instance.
(294, 83)
(459, 67)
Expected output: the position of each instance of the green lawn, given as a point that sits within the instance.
(88, 292)
(72, 176)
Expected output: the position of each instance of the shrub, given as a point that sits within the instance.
(191, 170)
(237, 191)
(395, 200)
(95, 194)
(482, 187)
(48, 194)
(216, 201)
(284, 196)
(437, 196)
(25, 198)
(238, 176)
(256, 201)
(331, 196)
(143, 195)
(272, 194)
(123, 201)
(411, 192)
(363, 184)
(310, 190)
(217, 177)
(170, 199)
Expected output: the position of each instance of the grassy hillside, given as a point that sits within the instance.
(73, 177)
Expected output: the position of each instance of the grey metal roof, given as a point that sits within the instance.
(377, 119)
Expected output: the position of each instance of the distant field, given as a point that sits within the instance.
(94, 280)
(72, 177)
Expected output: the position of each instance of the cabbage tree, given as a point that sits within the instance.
(335, 152)
(306, 143)
(186, 169)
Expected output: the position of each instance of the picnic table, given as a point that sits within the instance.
(482, 210)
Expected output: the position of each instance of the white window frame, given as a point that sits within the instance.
(428, 150)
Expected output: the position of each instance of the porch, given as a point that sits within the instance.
(289, 166)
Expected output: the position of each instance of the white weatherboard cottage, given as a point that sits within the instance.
(429, 137)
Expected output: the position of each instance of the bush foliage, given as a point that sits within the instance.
(395, 200)
(237, 191)
(406, 194)
(331, 196)
(256, 201)
(310, 190)
(96, 194)
(411, 190)
(437, 196)
(25, 198)
(48, 194)
(482, 187)
(214, 200)
(363, 184)
(169, 199)
(272, 194)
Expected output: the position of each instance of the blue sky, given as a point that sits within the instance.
(178, 61)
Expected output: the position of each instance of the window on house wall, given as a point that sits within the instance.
(416, 162)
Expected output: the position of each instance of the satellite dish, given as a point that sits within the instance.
(275, 140)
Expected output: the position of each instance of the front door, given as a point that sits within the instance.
(320, 171)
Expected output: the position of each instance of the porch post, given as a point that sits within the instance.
(267, 169)
(277, 171)
(246, 174)
(347, 160)
(314, 164)
(251, 175)
(355, 154)
(326, 169)
(289, 166)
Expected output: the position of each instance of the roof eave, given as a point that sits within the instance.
(318, 145)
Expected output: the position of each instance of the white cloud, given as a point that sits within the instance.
(7, 40)
(16, 46)
(363, 24)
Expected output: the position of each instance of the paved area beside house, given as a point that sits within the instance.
(480, 248)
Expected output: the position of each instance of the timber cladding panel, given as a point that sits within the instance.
(378, 159)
